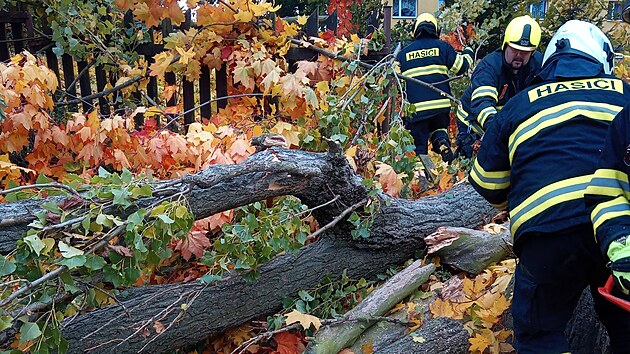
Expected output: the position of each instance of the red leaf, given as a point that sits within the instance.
(226, 51)
(287, 343)
(195, 243)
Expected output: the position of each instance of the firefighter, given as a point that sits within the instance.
(536, 160)
(498, 77)
(430, 59)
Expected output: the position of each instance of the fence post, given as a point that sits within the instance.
(84, 84)
(101, 81)
(16, 31)
(204, 91)
(4, 47)
(188, 86)
(332, 21)
(169, 77)
(312, 24)
(67, 65)
(221, 86)
(128, 23)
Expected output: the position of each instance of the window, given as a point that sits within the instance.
(538, 10)
(405, 8)
(614, 10)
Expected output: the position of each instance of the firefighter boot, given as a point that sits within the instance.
(443, 147)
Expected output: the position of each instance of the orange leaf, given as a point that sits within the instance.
(195, 243)
(287, 343)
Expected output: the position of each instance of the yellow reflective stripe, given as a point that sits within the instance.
(608, 182)
(481, 91)
(426, 70)
(501, 206)
(459, 61)
(439, 130)
(548, 196)
(609, 210)
(433, 104)
(559, 114)
(485, 114)
(462, 115)
(494, 180)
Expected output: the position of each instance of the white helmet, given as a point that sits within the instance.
(582, 38)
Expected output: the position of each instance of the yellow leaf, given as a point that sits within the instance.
(368, 348)
(441, 308)
(479, 342)
(238, 335)
(243, 16)
(272, 78)
(185, 55)
(162, 61)
(301, 20)
(304, 319)
(494, 229)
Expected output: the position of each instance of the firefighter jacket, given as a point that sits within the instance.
(539, 154)
(430, 60)
(608, 192)
(493, 84)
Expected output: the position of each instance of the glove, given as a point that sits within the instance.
(619, 254)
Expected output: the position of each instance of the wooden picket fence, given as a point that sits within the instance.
(76, 77)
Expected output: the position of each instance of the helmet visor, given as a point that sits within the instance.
(520, 47)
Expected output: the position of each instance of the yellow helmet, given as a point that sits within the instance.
(522, 33)
(425, 22)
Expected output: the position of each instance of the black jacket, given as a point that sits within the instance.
(430, 60)
(538, 155)
(493, 84)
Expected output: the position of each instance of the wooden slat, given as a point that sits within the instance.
(84, 84)
(188, 86)
(101, 81)
(312, 24)
(221, 86)
(204, 92)
(18, 35)
(4, 47)
(68, 77)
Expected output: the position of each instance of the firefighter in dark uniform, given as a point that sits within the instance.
(430, 59)
(498, 77)
(536, 160)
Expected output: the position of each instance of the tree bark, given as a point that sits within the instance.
(437, 335)
(333, 338)
(396, 235)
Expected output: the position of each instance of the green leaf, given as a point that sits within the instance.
(121, 197)
(52, 207)
(5, 322)
(210, 278)
(94, 262)
(103, 173)
(42, 179)
(74, 262)
(68, 251)
(166, 219)
(35, 243)
(126, 176)
(305, 296)
(6, 267)
(146, 191)
(181, 211)
(29, 331)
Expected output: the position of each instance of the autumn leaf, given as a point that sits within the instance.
(288, 343)
(194, 243)
(480, 342)
(441, 308)
(121, 250)
(305, 320)
(162, 62)
(389, 179)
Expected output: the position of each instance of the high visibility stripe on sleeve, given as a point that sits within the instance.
(547, 197)
(609, 210)
(426, 70)
(610, 183)
(459, 61)
(557, 115)
(482, 91)
(501, 206)
(485, 114)
(495, 180)
(433, 104)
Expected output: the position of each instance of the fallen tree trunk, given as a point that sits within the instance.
(333, 338)
(395, 236)
(437, 335)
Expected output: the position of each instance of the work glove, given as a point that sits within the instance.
(619, 255)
